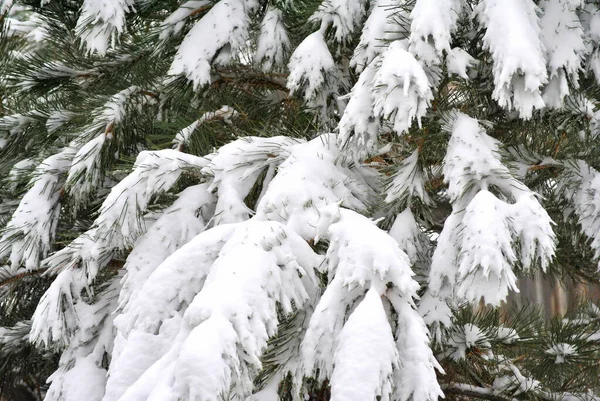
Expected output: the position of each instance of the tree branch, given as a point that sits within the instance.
(252, 76)
(483, 393)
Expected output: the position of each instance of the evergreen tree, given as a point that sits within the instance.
(264, 200)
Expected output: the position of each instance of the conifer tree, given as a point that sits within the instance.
(296, 200)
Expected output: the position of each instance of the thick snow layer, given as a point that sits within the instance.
(485, 235)
(113, 230)
(273, 43)
(119, 222)
(486, 258)
(82, 361)
(563, 39)
(365, 355)
(226, 24)
(325, 181)
(472, 157)
(235, 169)
(344, 15)
(28, 235)
(432, 24)
(310, 66)
(532, 226)
(406, 232)
(101, 22)
(380, 28)
(357, 127)
(513, 38)
(360, 256)
(207, 361)
(187, 217)
(401, 89)
(415, 379)
(458, 61)
(258, 266)
(586, 199)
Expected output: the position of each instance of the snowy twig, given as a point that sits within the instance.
(469, 390)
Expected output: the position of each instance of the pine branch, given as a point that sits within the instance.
(483, 393)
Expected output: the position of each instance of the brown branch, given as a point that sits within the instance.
(110, 129)
(557, 147)
(200, 9)
(17, 277)
(151, 94)
(253, 77)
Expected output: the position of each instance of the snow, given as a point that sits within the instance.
(459, 61)
(533, 226)
(88, 347)
(195, 54)
(401, 90)
(360, 256)
(119, 222)
(406, 232)
(100, 23)
(208, 360)
(20, 171)
(513, 38)
(235, 169)
(273, 43)
(327, 183)
(562, 351)
(57, 119)
(585, 197)
(225, 113)
(358, 130)
(472, 156)
(113, 230)
(466, 337)
(487, 257)
(28, 235)
(379, 28)
(563, 39)
(84, 370)
(175, 22)
(259, 265)
(154, 298)
(345, 17)
(432, 23)
(485, 234)
(84, 175)
(5, 6)
(415, 379)
(514, 382)
(13, 337)
(310, 66)
(506, 335)
(183, 136)
(16, 123)
(359, 375)
(407, 182)
(187, 217)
